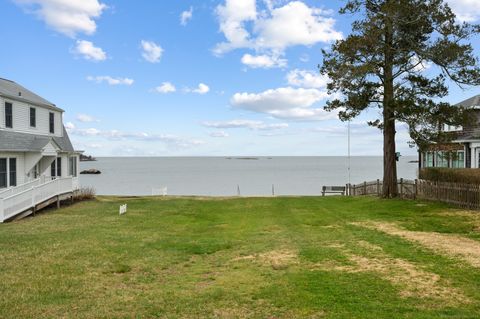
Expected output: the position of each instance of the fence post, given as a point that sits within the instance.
(273, 190)
(238, 190)
(378, 187)
(364, 188)
(415, 189)
(401, 187)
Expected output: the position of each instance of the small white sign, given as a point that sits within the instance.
(160, 191)
(123, 209)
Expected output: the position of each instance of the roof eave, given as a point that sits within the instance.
(16, 98)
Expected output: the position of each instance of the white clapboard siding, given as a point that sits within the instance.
(21, 118)
(2, 113)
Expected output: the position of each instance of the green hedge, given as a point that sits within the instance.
(451, 175)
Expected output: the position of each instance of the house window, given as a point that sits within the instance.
(8, 172)
(458, 160)
(73, 166)
(33, 117)
(59, 166)
(8, 115)
(442, 159)
(56, 168)
(52, 122)
(53, 171)
(451, 128)
(428, 159)
(13, 171)
(3, 172)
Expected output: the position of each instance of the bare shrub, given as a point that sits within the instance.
(84, 193)
(451, 175)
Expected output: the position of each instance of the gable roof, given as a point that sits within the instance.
(15, 91)
(23, 142)
(471, 102)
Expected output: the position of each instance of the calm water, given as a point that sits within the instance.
(219, 176)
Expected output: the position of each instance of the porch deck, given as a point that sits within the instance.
(17, 200)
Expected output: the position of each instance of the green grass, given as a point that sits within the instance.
(236, 258)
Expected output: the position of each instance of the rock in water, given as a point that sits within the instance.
(91, 171)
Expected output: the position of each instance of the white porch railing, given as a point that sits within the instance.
(23, 197)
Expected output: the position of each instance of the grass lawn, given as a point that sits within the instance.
(327, 257)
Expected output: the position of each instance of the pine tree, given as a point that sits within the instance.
(400, 57)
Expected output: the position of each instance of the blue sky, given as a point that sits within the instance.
(190, 78)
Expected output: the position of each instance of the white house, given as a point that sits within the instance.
(36, 154)
(464, 150)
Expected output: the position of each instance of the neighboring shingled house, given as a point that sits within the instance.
(466, 146)
(33, 140)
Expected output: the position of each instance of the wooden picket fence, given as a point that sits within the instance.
(406, 188)
(461, 195)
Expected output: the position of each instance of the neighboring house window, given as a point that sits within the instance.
(442, 159)
(428, 159)
(8, 115)
(33, 117)
(13, 171)
(73, 166)
(59, 166)
(451, 128)
(458, 161)
(3, 172)
(52, 122)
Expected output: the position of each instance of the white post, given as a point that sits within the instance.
(33, 196)
(1, 211)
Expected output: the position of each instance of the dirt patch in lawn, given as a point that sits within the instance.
(277, 259)
(447, 244)
(410, 279)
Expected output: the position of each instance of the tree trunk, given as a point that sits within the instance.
(390, 188)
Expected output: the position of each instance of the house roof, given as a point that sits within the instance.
(23, 142)
(471, 102)
(15, 91)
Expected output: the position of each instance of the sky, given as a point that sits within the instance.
(192, 78)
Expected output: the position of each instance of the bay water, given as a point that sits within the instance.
(226, 176)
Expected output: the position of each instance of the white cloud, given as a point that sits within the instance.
(296, 24)
(248, 124)
(171, 141)
(420, 66)
(232, 17)
(165, 87)
(201, 89)
(274, 29)
(186, 16)
(110, 80)
(88, 51)
(85, 118)
(152, 52)
(264, 61)
(69, 126)
(304, 58)
(285, 103)
(466, 10)
(66, 16)
(307, 79)
(219, 134)
(94, 145)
